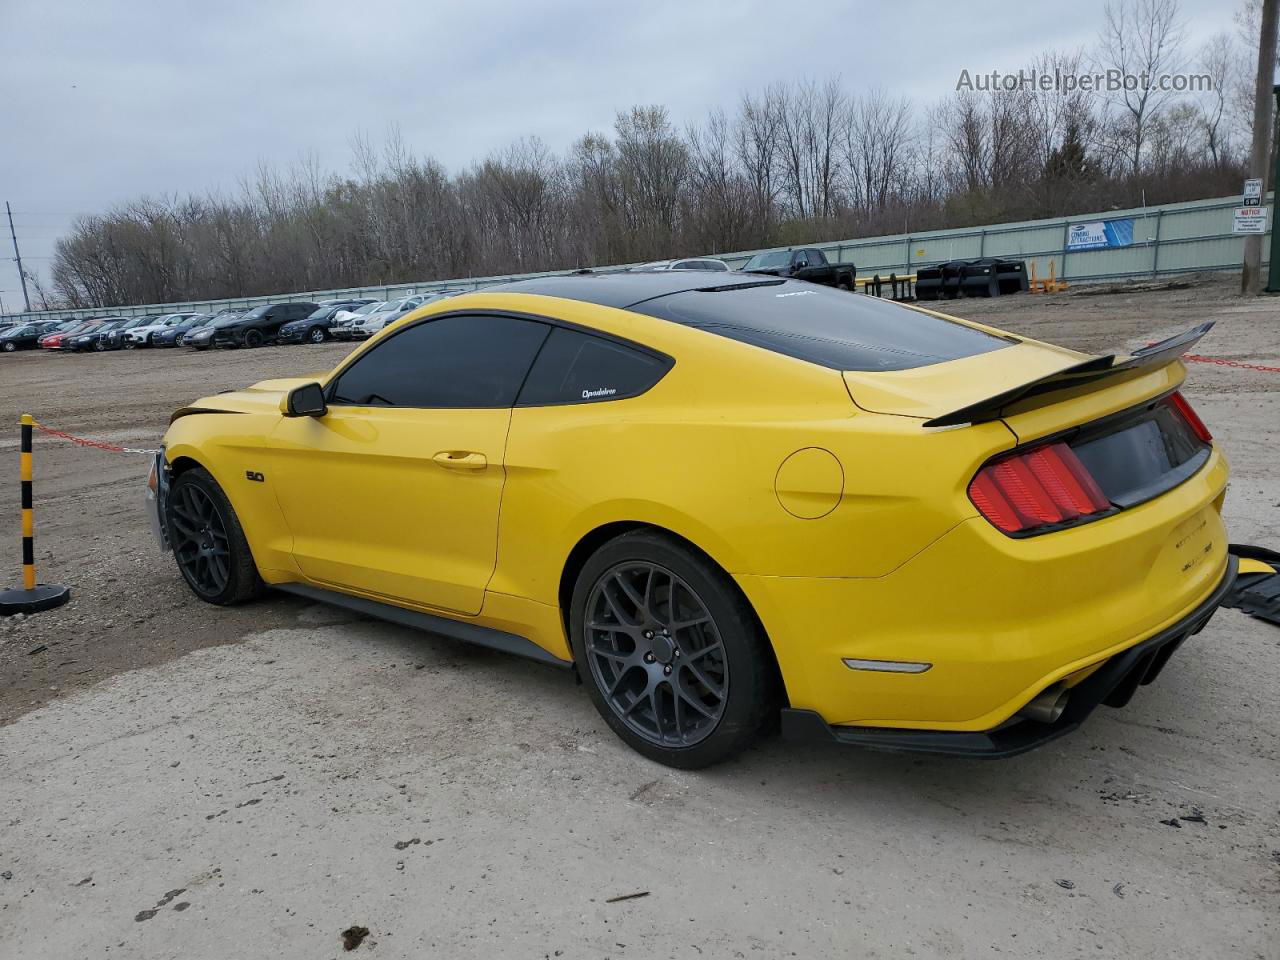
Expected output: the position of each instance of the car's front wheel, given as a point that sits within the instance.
(10, 346)
(208, 542)
(317, 335)
(671, 653)
(253, 338)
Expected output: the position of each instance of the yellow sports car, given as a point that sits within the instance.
(718, 496)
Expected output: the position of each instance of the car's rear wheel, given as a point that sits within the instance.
(671, 653)
(209, 544)
(317, 335)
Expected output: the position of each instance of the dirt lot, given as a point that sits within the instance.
(184, 780)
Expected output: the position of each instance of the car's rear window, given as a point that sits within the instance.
(823, 325)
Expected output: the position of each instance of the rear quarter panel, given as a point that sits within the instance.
(699, 454)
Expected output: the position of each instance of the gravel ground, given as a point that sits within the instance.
(185, 780)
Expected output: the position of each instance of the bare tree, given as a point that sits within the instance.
(1141, 40)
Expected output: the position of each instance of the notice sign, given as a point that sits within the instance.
(1100, 234)
(1249, 220)
(1253, 193)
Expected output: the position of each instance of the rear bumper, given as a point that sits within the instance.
(1113, 684)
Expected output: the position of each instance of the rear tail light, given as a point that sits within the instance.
(1042, 487)
(1179, 403)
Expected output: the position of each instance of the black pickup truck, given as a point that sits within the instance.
(807, 263)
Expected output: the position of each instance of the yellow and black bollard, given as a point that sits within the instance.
(31, 597)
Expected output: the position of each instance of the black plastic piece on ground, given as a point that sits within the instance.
(43, 597)
(1257, 594)
(1113, 684)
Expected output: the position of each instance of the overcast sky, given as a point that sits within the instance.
(105, 100)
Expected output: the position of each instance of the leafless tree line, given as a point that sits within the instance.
(799, 162)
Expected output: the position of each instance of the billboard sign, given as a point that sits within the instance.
(1100, 235)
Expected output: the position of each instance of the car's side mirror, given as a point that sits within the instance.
(306, 401)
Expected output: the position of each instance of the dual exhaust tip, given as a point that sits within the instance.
(1047, 707)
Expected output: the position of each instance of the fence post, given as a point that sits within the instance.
(30, 597)
(1066, 234)
(1155, 252)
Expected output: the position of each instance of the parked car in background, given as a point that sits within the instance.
(121, 333)
(315, 328)
(24, 336)
(687, 263)
(168, 337)
(808, 263)
(104, 336)
(58, 340)
(201, 338)
(340, 328)
(143, 335)
(391, 310)
(261, 324)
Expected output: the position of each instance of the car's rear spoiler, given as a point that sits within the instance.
(1095, 369)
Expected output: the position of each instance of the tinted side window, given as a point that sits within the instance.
(457, 361)
(574, 367)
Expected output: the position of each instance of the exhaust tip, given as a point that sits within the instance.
(1047, 707)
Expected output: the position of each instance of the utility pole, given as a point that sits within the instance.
(18, 257)
(1250, 279)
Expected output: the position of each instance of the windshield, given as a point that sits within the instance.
(226, 318)
(779, 259)
(256, 312)
(18, 332)
(370, 307)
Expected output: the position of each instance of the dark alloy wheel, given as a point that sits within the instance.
(253, 338)
(208, 542)
(654, 650)
(317, 335)
(672, 654)
(99, 345)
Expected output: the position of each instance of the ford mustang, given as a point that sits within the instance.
(726, 500)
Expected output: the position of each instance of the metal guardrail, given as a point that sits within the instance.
(1194, 237)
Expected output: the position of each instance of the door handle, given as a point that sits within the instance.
(461, 460)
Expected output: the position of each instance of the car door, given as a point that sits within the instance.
(808, 265)
(395, 491)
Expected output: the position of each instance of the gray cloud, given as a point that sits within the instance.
(108, 100)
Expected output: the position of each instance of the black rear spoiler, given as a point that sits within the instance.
(1095, 369)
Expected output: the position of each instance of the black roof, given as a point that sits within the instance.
(627, 289)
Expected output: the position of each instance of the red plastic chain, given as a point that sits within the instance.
(1196, 358)
(85, 442)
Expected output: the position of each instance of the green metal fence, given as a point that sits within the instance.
(1173, 238)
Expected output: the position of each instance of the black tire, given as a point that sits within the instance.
(317, 335)
(99, 345)
(10, 346)
(240, 580)
(748, 689)
(253, 338)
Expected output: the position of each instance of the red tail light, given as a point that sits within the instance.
(1041, 487)
(1179, 403)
